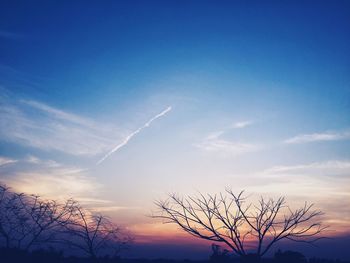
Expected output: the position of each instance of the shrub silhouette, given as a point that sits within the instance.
(219, 254)
(289, 257)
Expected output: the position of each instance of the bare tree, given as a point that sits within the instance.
(92, 233)
(46, 218)
(15, 224)
(241, 226)
(28, 220)
(5, 227)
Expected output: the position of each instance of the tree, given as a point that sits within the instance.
(92, 233)
(219, 254)
(28, 220)
(5, 211)
(44, 218)
(243, 227)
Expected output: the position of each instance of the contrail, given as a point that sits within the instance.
(128, 138)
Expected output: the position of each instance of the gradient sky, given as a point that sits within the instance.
(191, 96)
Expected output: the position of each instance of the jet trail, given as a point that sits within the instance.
(128, 138)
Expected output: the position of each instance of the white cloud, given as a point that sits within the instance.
(241, 124)
(314, 137)
(330, 177)
(50, 179)
(47, 163)
(214, 135)
(33, 159)
(227, 147)
(58, 185)
(5, 160)
(59, 114)
(104, 209)
(213, 143)
(37, 125)
(332, 168)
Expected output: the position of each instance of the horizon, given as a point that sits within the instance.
(117, 104)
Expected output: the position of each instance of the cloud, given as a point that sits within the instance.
(34, 124)
(316, 179)
(327, 183)
(332, 168)
(327, 168)
(213, 143)
(129, 137)
(35, 160)
(5, 161)
(59, 114)
(111, 208)
(53, 180)
(314, 137)
(227, 147)
(50, 179)
(241, 124)
(57, 185)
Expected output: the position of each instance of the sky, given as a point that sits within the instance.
(118, 103)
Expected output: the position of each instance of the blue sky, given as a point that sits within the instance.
(259, 96)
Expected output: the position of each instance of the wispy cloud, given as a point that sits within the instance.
(241, 124)
(50, 179)
(314, 137)
(46, 163)
(5, 160)
(58, 184)
(128, 138)
(316, 180)
(214, 143)
(327, 183)
(35, 124)
(60, 114)
(331, 168)
(102, 209)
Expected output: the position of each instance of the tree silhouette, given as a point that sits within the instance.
(27, 220)
(243, 227)
(92, 233)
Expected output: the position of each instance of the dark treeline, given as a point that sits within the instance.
(14, 255)
(33, 229)
(220, 255)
